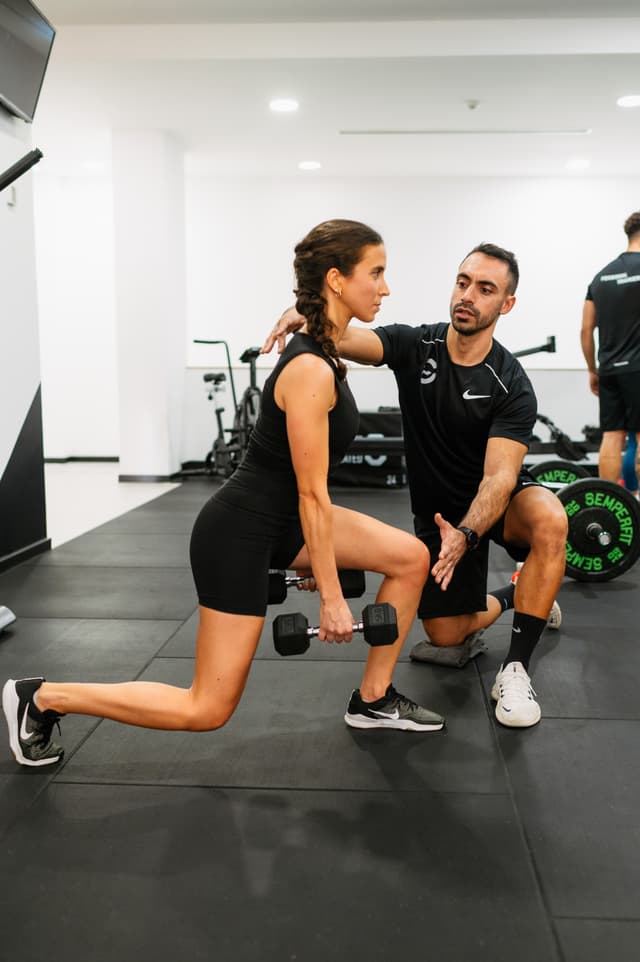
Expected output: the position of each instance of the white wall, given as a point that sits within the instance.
(150, 302)
(75, 258)
(240, 234)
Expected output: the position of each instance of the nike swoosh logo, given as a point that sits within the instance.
(468, 396)
(24, 734)
(387, 714)
(517, 631)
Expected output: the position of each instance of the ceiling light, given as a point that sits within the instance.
(631, 100)
(578, 163)
(309, 165)
(283, 105)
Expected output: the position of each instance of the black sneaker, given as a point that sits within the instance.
(29, 728)
(393, 710)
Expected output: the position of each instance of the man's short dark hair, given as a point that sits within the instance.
(492, 250)
(632, 224)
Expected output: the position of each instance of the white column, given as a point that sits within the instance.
(148, 183)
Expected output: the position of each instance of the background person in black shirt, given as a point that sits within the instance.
(612, 306)
(468, 409)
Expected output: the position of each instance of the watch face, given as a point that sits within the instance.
(471, 536)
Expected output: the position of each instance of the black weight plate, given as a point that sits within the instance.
(555, 474)
(595, 502)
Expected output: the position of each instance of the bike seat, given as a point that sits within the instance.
(216, 378)
(250, 354)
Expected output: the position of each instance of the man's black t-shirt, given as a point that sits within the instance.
(449, 412)
(615, 292)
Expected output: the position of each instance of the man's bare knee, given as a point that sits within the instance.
(444, 632)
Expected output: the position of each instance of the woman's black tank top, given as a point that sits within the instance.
(266, 480)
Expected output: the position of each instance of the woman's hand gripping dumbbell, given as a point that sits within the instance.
(352, 583)
(292, 634)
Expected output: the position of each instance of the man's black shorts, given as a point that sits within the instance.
(467, 592)
(619, 400)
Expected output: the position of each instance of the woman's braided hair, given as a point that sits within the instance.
(334, 243)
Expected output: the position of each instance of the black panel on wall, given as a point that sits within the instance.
(23, 523)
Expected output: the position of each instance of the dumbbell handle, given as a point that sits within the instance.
(314, 632)
(291, 580)
(345, 577)
(352, 583)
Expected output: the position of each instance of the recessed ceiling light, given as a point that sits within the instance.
(309, 165)
(283, 105)
(631, 100)
(578, 163)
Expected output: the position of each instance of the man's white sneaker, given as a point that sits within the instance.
(555, 617)
(516, 700)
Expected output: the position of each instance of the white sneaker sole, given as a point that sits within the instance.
(10, 702)
(401, 724)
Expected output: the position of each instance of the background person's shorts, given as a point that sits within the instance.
(619, 401)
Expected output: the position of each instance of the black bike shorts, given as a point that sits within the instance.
(619, 401)
(232, 549)
(467, 591)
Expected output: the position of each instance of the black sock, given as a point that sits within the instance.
(504, 596)
(525, 635)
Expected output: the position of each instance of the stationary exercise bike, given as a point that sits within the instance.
(230, 444)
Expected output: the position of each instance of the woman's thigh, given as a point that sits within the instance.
(367, 544)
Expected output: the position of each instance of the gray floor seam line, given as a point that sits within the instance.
(178, 786)
(99, 720)
(23, 811)
(105, 618)
(596, 918)
(114, 567)
(69, 755)
(171, 636)
(525, 838)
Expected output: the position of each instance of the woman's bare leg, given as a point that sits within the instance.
(225, 647)
(366, 544)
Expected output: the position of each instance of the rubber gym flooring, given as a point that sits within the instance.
(287, 837)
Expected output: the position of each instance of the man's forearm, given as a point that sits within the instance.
(360, 345)
(490, 503)
(589, 352)
(587, 335)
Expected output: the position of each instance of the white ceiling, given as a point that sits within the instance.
(544, 72)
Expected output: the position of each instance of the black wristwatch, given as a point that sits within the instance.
(472, 537)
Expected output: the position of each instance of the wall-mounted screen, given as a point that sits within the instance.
(26, 38)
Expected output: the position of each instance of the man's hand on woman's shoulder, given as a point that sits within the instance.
(290, 322)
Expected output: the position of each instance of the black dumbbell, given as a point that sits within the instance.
(292, 634)
(352, 583)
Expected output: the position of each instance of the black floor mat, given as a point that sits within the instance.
(288, 836)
